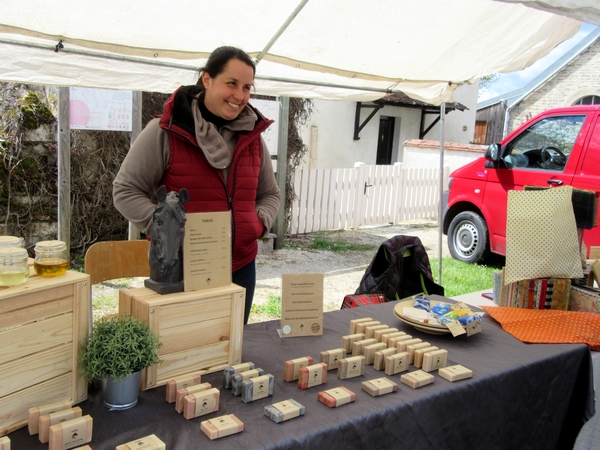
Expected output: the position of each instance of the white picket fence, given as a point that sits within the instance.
(332, 199)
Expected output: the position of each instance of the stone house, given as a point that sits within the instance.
(573, 79)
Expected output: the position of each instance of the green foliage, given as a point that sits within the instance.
(34, 112)
(118, 346)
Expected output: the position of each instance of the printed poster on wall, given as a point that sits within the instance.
(100, 109)
(301, 305)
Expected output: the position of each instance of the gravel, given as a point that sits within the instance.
(342, 270)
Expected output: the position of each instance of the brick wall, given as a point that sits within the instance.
(578, 79)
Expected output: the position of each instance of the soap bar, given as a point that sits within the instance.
(385, 338)
(351, 367)
(150, 442)
(285, 410)
(257, 388)
(455, 373)
(358, 346)
(369, 352)
(379, 360)
(47, 420)
(379, 386)
(71, 433)
(181, 393)
(230, 371)
(4, 443)
(332, 357)
(416, 379)
(336, 397)
(85, 447)
(370, 330)
(378, 334)
(236, 382)
(349, 339)
(418, 359)
(221, 426)
(393, 341)
(313, 375)
(292, 367)
(360, 327)
(201, 403)
(37, 411)
(396, 363)
(354, 322)
(181, 382)
(401, 345)
(410, 349)
(434, 360)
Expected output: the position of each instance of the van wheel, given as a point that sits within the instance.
(468, 237)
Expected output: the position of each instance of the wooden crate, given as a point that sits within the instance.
(200, 330)
(42, 324)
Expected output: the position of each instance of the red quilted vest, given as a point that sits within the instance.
(188, 168)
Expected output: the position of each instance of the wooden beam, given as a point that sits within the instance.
(284, 115)
(64, 167)
(136, 129)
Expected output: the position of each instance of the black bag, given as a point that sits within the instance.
(400, 269)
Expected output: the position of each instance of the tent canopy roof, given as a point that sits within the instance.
(332, 49)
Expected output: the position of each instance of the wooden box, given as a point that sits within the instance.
(42, 324)
(200, 330)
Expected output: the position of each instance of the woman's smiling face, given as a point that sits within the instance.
(228, 93)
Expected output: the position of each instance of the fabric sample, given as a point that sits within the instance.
(541, 235)
(537, 326)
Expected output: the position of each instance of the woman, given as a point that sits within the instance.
(208, 140)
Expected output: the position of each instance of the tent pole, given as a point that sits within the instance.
(284, 114)
(64, 167)
(441, 189)
(136, 129)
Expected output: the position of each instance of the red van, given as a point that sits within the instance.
(557, 147)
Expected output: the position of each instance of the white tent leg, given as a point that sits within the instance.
(441, 191)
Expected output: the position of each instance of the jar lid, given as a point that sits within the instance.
(10, 241)
(51, 245)
(13, 252)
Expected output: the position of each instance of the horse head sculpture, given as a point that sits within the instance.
(167, 233)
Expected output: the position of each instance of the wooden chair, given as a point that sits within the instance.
(116, 259)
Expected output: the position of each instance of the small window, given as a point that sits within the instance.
(588, 100)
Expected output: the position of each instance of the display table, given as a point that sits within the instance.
(520, 396)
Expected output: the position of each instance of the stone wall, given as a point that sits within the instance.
(578, 79)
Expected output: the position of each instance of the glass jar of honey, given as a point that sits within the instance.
(11, 242)
(51, 258)
(14, 269)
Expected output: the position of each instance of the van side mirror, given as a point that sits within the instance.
(493, 152)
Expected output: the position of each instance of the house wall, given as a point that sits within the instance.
(494, 116)
(460, 125)
(330, 131)
(578, 79)
(419, 153)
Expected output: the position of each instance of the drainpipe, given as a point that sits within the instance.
(506, 118)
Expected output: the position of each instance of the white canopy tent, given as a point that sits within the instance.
(353, 50)
(329, 49)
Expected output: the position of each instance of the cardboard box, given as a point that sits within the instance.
(42, 324)
(200, 330)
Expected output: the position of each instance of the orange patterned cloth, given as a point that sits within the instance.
(538, 326)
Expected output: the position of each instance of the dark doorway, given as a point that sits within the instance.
(385, 141)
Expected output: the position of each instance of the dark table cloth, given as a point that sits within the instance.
(520, 396)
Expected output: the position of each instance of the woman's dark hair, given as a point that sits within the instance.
(219, 58)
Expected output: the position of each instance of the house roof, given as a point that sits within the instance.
(514, 97)
(401, 99)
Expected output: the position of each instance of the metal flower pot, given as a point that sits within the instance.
(121, 393)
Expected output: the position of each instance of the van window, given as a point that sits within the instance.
(546, 144)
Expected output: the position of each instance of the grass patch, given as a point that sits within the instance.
(322, 243)
(271, 309)
(461, 278)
